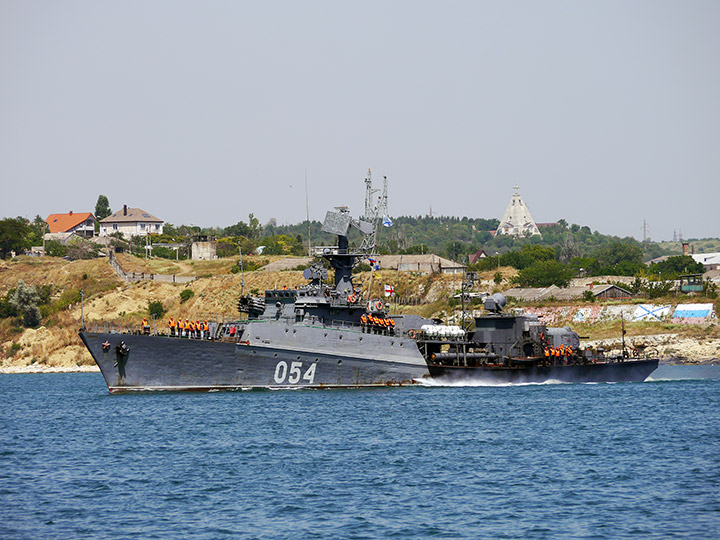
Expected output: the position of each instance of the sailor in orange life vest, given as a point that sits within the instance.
(145, 326)
(171, 326)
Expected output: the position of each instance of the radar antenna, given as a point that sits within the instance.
(342, 257)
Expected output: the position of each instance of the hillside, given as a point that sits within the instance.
(108, 299)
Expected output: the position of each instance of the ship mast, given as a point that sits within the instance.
(374, 212)
(342, 258)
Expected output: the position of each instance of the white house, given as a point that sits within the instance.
(711, 261)
(131, 222)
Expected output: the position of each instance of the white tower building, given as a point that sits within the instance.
(517, 220)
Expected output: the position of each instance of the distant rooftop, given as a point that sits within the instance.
(127, 214)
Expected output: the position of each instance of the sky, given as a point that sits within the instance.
(604, 113)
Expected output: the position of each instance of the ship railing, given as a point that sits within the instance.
(159, 327)
(319, 251)
(364, 328)
(344, 325)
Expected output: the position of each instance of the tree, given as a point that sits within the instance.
(417, 249)
(25, 302)
(102, 207)
(544, 274)
(53, 248)
(14, 236)
(37, 231)
(252, 229)
(619, 251)
(528, 255)
(674, 266)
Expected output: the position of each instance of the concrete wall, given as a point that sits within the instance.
(204, 251)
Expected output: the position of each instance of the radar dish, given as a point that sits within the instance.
(365, 227)
(337, 223)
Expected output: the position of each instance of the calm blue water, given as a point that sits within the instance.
(627, 460)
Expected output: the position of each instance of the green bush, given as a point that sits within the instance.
(156, 309)
(185, 295)
(68, 297)
(361, 267)
(55, 249)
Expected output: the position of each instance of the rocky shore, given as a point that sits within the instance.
(672, 348)
(39, 368)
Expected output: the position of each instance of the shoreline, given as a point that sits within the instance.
(35, 368)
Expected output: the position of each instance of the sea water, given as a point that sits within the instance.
(625, 460)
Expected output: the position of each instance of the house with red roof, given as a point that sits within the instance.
(82, 224)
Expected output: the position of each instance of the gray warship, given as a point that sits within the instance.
(330, 334)
(322, 335)
(513, 347)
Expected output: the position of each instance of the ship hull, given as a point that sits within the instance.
(163, 363)
(628, 371)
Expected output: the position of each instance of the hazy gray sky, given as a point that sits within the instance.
(605, 113)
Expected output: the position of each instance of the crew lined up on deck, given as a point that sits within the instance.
(557, 352)
(370, 322)
(189, 329)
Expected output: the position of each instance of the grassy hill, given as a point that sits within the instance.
(704, 245)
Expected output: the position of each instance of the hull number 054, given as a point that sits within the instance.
(294, 374)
